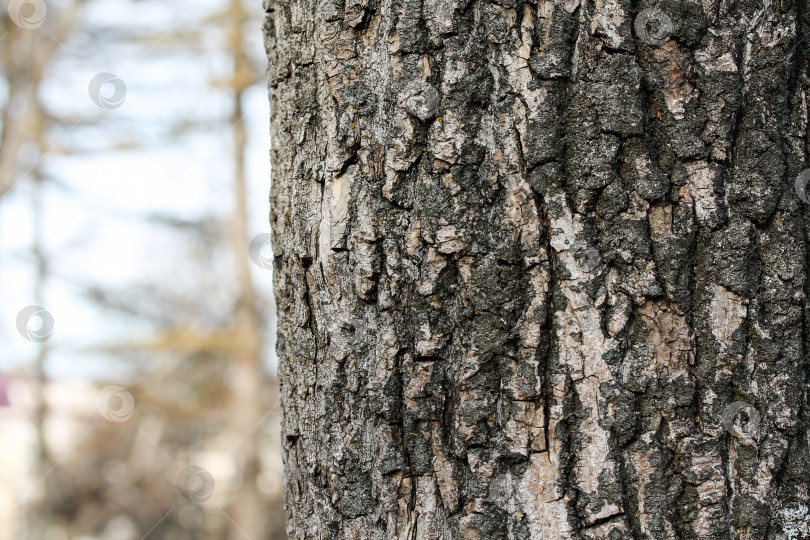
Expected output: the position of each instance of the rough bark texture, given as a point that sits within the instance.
(539, 276)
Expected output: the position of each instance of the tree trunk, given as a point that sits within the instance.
(541, 267)
(246, 399)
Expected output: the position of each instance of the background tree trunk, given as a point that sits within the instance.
(541, 271)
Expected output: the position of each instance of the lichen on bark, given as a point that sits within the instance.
(528, 256)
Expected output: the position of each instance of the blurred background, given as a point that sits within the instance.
(138, 397)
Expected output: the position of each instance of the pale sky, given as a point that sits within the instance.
(95, 231)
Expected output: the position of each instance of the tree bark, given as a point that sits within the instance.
(541, 267)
